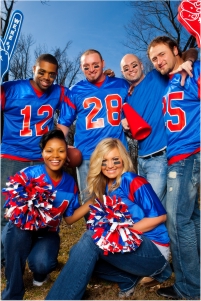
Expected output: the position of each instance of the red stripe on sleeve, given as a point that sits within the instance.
(62, 93)
(69, 103)
(3, 98)
(199, 87)
(135, 185)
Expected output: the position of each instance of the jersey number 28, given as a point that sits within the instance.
(92, 122)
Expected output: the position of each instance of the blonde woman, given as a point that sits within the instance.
(111, 173)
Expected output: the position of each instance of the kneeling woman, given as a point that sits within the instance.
(35, 235)
(111, 173)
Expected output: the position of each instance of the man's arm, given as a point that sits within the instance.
(190, 54)
(189, 57)
(64, 129)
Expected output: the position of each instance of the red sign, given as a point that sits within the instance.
(190, 17)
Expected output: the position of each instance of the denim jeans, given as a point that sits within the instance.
(9, 168)
(40, 247)
(183, 223)
(154, 170)
(74, 277)
(82, 172)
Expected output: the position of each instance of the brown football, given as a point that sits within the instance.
(75, 157)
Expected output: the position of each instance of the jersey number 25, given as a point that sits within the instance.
(176, 111)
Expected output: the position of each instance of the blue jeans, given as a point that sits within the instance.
(40, 247)
(9, 168)
(155, 171)
(74, 277)
(183, 223)
(82, 172)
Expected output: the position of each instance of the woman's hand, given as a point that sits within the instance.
(148, 223)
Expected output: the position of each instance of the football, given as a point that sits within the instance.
(75, 157)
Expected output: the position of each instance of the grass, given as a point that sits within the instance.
(96, 290)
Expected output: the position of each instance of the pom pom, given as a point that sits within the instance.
(112, 225)
(29, 203)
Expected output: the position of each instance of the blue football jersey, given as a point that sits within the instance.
(97, 111)
(146, 100)
(142, 202)
(182, 115)
(26, 118)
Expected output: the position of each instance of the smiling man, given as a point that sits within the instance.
(96, 105)
(146, 99)
(28, 107)
(182, 118)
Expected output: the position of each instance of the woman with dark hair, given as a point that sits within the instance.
(127, 238)
(37, 198)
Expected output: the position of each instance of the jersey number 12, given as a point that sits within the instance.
(26, 126)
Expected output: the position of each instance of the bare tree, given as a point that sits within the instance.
(20, 65)
(154, 18)
(7, 7)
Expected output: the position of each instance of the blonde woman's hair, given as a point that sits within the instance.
(96, 180)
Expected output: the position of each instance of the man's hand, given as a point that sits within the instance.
(131, 89)
(185, 70)
(109, 72)
(125, 125)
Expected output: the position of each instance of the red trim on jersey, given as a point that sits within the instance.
(75, 189)
(62, 93)
(55, 183)
(3, 98)
(99, 84)
(38, 93)
(170, 76)
(182, 156)
(159, 243)
(69, 103)
(18, 158)
(135, 185)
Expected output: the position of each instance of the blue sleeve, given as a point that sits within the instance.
(140, 192)
(72, 206)
(146, 198)
(68, 109)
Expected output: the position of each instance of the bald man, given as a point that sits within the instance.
(146, 99)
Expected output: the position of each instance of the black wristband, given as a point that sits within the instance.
(191, 61)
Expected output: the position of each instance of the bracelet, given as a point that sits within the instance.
(191, 61)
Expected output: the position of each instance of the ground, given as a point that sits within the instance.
(96, 290)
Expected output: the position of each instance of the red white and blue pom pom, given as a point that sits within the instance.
(112, 224)
(29, 202)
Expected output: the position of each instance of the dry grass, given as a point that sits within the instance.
(97, 289)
